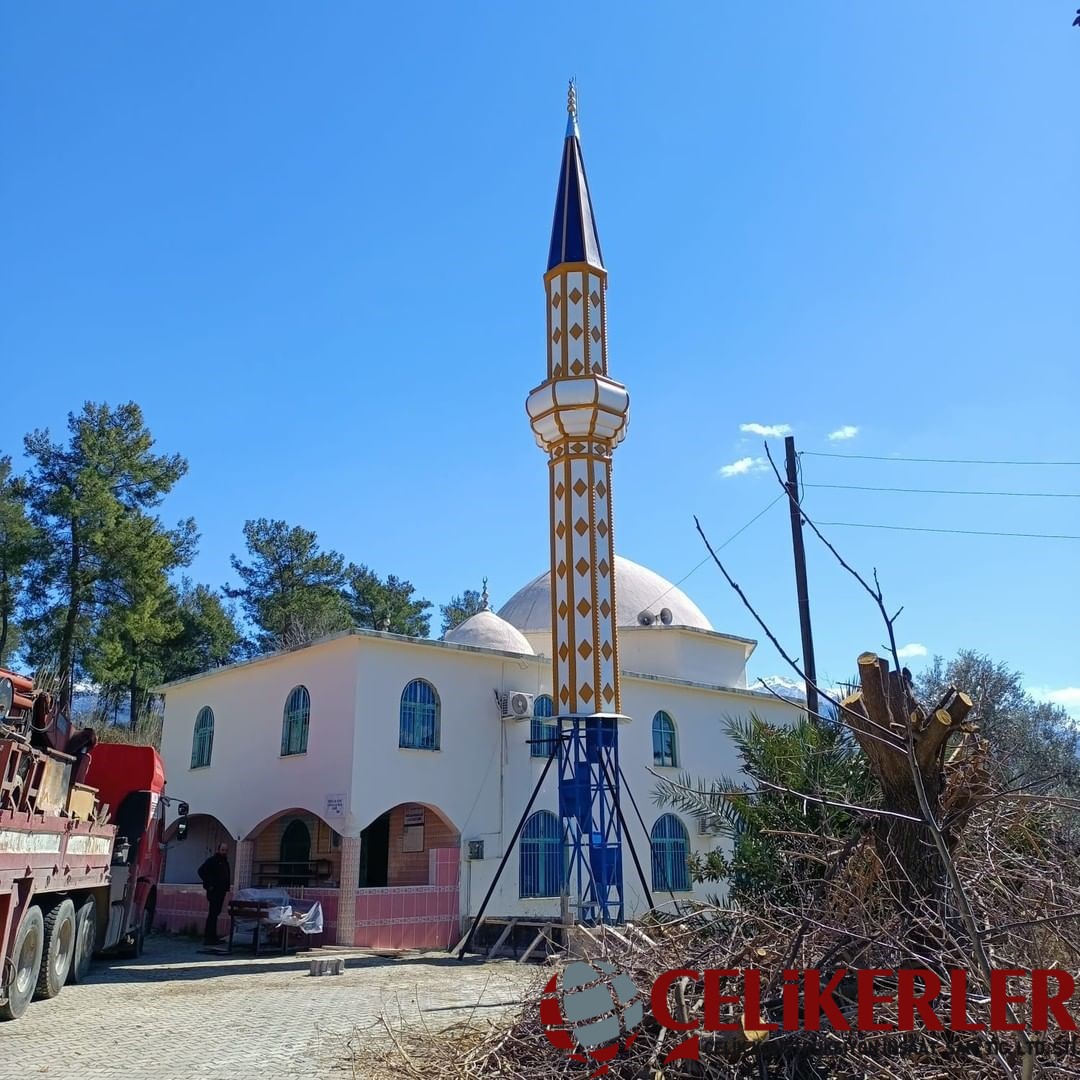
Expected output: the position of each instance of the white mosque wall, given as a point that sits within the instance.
(482, 775)
(684, 653)
(248, 780)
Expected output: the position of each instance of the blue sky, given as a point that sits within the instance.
(309, 240)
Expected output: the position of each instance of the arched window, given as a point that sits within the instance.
(664, 751)
(543, 731)
(202, 743)
(670, 844)
(419, 728)
(294, 724)
(541, 857)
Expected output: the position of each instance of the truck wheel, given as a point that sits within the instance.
(58, 950)
(26, 958)
(85, 940)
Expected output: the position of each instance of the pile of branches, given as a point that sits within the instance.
(951, 869)
(1021, 887)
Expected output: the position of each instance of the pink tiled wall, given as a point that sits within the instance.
(181, 909)
(414, 916)
(404, 917)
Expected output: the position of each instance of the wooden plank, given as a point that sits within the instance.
(544, 931)
(501, 938)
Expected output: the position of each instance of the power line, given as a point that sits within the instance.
(935, 461)
(951, 491)
(733, 536)
(960, 532)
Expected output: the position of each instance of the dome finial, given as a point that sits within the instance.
(485, 603)
(571, 109)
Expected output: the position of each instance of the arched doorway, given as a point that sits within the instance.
(295, 853)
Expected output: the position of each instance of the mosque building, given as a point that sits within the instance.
(387, 776)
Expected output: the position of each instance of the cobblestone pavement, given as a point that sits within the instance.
(176, 1013)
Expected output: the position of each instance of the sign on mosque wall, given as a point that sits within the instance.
(335, 806)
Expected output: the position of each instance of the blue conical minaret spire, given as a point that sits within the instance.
(573, 232)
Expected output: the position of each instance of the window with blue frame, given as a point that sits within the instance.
(543, 731)
(670, 844)
(664, 751)
(541, 857)
(202, 742)
(294, 723)
(419, 718)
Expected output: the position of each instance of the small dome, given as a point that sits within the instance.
(485, 630)
(637, 589)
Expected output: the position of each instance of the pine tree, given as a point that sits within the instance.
(386, 605)
(290, 591)
(17, 537)
(91, 499)
(208, 635)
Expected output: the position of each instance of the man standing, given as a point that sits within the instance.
(217, 880)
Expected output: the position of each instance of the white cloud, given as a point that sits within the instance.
(906, 652)
(1068, 697)
(848, 431)
(743, 465)
(766, 431)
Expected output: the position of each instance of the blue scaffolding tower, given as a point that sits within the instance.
(588, 750)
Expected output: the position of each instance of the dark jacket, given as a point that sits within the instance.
(215, 874)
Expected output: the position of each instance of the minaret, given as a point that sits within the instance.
(579, 416)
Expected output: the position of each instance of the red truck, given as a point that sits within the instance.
(82, 829)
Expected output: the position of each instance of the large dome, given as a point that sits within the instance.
(485, 630)
(637, 589)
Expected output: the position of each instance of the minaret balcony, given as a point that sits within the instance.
(583, 408)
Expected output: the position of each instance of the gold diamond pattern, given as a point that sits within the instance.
(556, 300)
(595, 334)
(561, 569)
(601, 489)
(608, 692)
(581, 527)
(594, 296)
(564, 695)
(577, 447)
(585, 693)
(576, 367)
(560, 491)
(601, 528)
(605, 608)
(557, 336)
(575, 295)
(564, 652)
(563, 609)
(576, 331)
(607, 650)
(581, 566)
(584, 607)
(585, 650)
(580, 487)
(603, 567)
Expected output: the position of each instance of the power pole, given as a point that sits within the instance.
(800, 578)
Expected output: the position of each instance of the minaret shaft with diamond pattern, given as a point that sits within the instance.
(578, 416)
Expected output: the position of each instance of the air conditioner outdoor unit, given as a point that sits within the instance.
(476, 850)
(517, 704)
